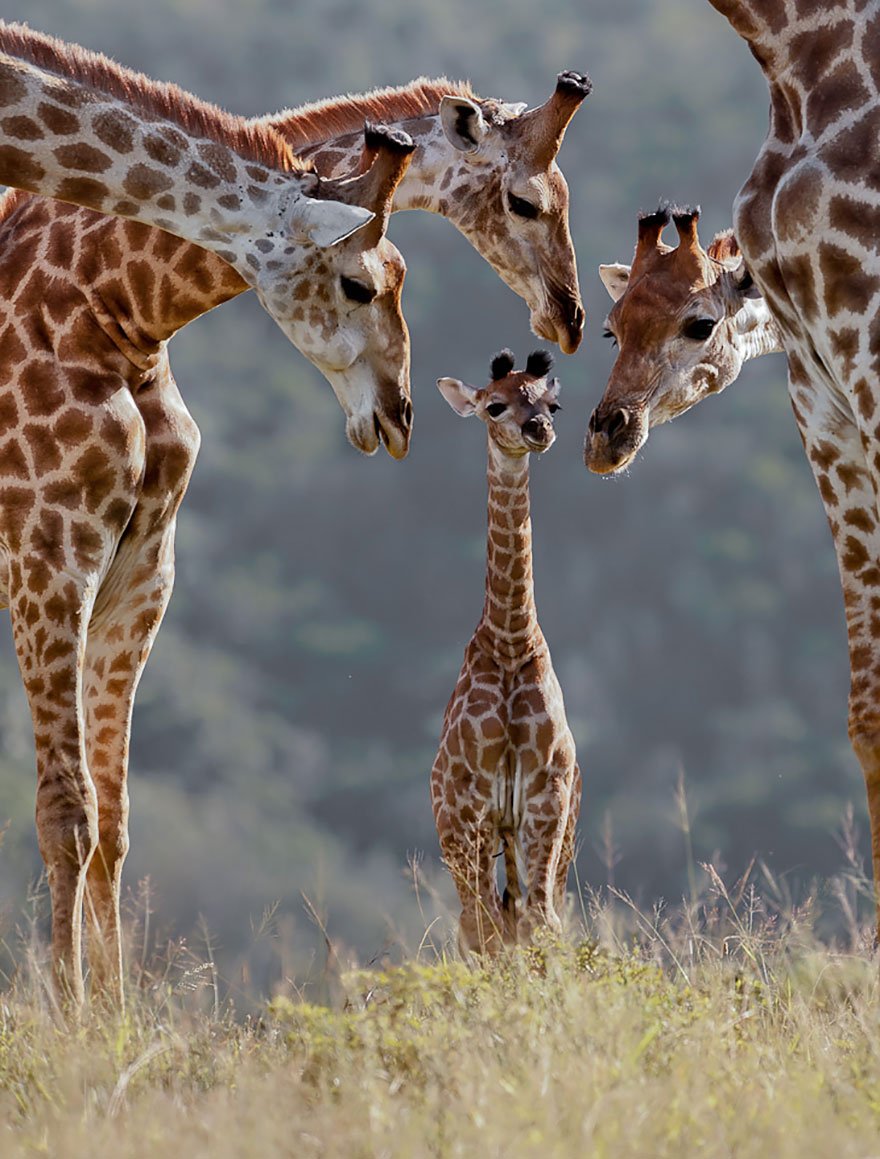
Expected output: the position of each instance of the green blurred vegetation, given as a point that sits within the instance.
(288, 718)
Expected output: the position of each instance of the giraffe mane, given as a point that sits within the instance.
(252, 139)
(339, 116)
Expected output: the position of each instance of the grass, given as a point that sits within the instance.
(723, 1027)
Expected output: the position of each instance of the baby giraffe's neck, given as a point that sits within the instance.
(509, 625)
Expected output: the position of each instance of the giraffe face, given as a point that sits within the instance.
(356, 335)
(345, 304)
(508, 196)
(517, 406)
(680, 320)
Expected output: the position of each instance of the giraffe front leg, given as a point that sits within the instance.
(121, 637)
(117, 651)
(49, 612)
(843, 461)
(546, 836)
(468, 842)
(566, 855)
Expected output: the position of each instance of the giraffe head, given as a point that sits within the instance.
(510, 199)
(344, 302)
(685, 319)
(517, 406)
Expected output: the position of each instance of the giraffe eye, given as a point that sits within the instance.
(553, 407)
(606, 333)
(496, 409)
(356, 291)
(521, 207)
(699, 328)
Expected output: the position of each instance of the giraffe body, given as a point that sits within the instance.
(806, 221)
(506, 774)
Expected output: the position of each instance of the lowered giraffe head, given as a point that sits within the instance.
(510, 199)
(685, 319)
(348, 298)
(517, 406)
(486, 165)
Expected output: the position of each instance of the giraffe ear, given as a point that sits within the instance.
(324, 223)
(615, 279)
(463, 123)
(459, 395)
(551, 394)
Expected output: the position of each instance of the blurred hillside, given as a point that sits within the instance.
(288, 718)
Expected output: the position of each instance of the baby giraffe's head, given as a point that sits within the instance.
(517, 406)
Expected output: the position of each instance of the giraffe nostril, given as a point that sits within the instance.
(406, 413)
(612, 425)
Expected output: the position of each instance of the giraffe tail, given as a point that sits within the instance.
(512, 896)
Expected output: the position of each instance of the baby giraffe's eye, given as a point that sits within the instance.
(553, 407)
(699, 328)
(356, 291)
(521, 207)
(606, 333)
(496, 409)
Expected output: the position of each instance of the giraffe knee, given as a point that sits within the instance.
(67, 831)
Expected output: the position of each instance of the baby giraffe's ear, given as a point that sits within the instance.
(551, 394)
(460, 396)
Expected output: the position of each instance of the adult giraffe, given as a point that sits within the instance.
(96, 446)
(807, 221)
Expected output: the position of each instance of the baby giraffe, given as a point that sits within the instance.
(506, 771)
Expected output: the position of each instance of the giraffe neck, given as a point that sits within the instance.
(79, 144)
(780, 39)
(509, 625)
(199, 281)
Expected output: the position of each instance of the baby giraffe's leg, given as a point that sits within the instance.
(468, 842)
(568, 843)
(544, 829)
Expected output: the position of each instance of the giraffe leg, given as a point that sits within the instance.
(546, 838)
(50, 642)
(468, 843)
(119, 643)
(116, 654)
(566, 855)
(842, 464)
(470, 856)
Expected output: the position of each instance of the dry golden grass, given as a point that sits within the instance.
(722, 1028)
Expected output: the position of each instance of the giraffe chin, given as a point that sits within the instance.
(367, 432)
(602, 459)
(560, 323)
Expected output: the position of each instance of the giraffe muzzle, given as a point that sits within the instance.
(614, 437)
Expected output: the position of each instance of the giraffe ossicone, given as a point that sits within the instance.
(505, 778)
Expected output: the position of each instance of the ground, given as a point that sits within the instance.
(721, 1027)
